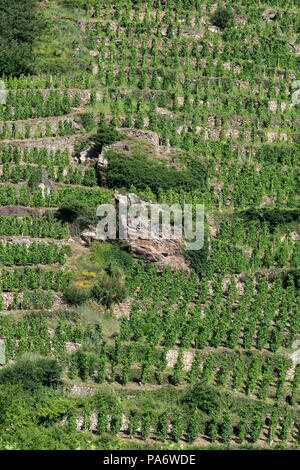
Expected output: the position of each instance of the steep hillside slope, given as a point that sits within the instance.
(142, 344)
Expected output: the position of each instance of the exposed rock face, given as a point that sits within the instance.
(94, 53)
(164, 253)
(269, 15)
(150, 136)
(95, 69)
(155, 247)
(162, 249)
(123, 309)
(91, 152)
(102, 162)
(72, 347)
(154, 242)
(89, 235)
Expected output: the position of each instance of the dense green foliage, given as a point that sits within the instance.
(222, 18)
(126, 172)
(32, 374)
(21, 23)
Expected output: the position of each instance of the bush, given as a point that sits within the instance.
(35, 179)
(87, 120)
(32, 374)
(273, 217)
(222, 18)
(76, 295)
(109, 289)
(106, 289)
(106, 135)
(203, 397)
(71, 209)
(124, 171)
(21, 24)
(108, 254)
(198, 258)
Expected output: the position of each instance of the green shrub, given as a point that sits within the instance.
(106, 134)
(71, 209)
(109, 289)
(204, 397)
(21, 24)
(198, 258)
(32, 374)
(108, 254)
(87, 120)
(35, 179)
(125, 171)
(222, 18)
(76, 295)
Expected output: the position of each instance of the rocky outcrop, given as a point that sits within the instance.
(149, 239)
(269, 15)
(158, 248)
(123, 309)
(91, 152)
(164, 253)
(101, 165)
(89, 235)
(150, 136)
(72, 347)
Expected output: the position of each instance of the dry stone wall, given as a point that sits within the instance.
(50, 143)
(36, 124)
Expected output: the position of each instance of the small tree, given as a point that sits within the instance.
(178, 370)
(101, 373)
(242, 427)
(256, 424)
(72, 425)
(285, 425)
(87, 419)
(125, 372)
(106, 134)
(222, 18)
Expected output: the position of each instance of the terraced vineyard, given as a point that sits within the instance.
(122, 345)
